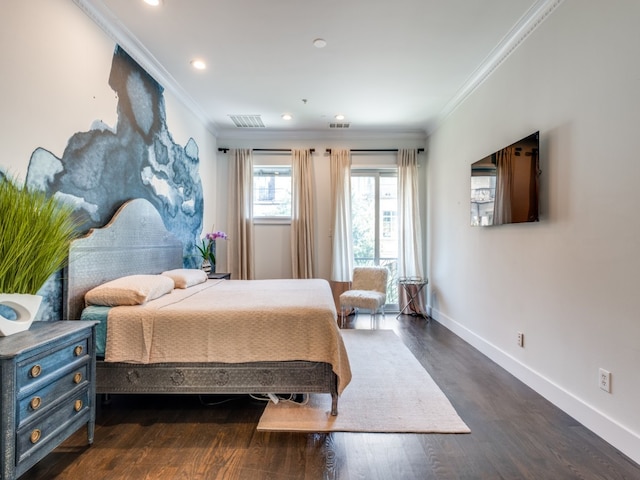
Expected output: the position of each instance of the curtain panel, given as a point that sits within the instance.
(341, 238)
(410, 262)
(302, 220)
(241, 237)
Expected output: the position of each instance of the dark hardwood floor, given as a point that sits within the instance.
(515, 433)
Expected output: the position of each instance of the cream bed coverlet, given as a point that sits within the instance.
(232, 321)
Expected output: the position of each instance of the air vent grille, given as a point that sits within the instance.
(339, 125)
(247, 121)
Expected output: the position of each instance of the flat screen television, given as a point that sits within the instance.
(504, 185)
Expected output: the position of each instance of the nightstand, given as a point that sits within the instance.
(220, 276)
(48, 391)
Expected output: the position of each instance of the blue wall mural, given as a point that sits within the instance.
(102, 168)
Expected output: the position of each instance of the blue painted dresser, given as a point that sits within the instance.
(48, 391)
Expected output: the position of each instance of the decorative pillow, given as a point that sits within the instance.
(129, 290)
(186, 277)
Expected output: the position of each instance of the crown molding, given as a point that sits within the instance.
(97, 11)
(531, 20)
(255, 134)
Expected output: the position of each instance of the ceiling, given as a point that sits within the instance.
(388, 66)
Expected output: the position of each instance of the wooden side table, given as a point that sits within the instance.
(48, 391)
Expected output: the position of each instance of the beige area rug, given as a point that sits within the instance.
(390, 392)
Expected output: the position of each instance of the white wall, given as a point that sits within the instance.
(52, 85)
(273, 244)
(55, 70)
(569, 282)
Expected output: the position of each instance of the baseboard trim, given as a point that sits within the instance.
(599, 423)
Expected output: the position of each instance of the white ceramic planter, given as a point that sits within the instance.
(25, 306)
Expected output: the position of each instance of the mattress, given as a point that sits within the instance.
(231, 321)
(100, 314)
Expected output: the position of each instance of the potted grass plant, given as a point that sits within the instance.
(35, 232)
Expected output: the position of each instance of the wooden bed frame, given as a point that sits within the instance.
(135, 241)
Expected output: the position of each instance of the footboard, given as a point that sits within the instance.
(221, 378)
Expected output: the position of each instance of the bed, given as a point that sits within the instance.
(215, 337)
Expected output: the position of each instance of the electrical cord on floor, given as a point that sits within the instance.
(292, 398)
(213, 404)
(260, 397)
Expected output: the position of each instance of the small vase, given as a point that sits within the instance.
(212, 257)
(206, 266)
(22, 308)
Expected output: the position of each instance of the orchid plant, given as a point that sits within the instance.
(206, 249)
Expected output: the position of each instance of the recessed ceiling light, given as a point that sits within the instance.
(153, 3)
(287, 116)
(319, 43)
(339, 117)
(198, 64)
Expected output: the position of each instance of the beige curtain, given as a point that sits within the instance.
(341, 238)
(410, 264)
(302, 231)
(240, 247)
(504, 186)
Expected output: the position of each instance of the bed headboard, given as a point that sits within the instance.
(135, 241)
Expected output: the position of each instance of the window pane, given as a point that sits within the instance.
(388, 217)
(271, 191)
(374, 220)
(363, 217)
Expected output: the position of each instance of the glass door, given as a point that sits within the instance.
(374, 219)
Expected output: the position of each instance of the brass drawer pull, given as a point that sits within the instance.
(77, 406)
(35, 371)
(78, 350)
(35, 436)
(77, 378)
(35, 403)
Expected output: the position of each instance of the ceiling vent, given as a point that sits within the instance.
(247, 121)
(339, 125)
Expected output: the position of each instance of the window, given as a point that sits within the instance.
(389, 225)
(272, 191)
(374, 220)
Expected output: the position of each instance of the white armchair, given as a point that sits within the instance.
(368, 291)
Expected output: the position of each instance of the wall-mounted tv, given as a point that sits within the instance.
(504, 185)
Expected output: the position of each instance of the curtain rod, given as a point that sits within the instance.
(275, 150)
(373, 150)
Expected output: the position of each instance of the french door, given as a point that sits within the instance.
(374, 220)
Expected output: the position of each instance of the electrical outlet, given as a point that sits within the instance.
(605, 380)
(520, 339)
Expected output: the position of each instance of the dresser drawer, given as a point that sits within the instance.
(48, 391)
(41, 400)
(37, 368)
(37, 433)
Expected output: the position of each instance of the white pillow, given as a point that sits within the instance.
(186, 277)
(129, 290)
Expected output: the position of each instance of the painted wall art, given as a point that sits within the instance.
(102, 168)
